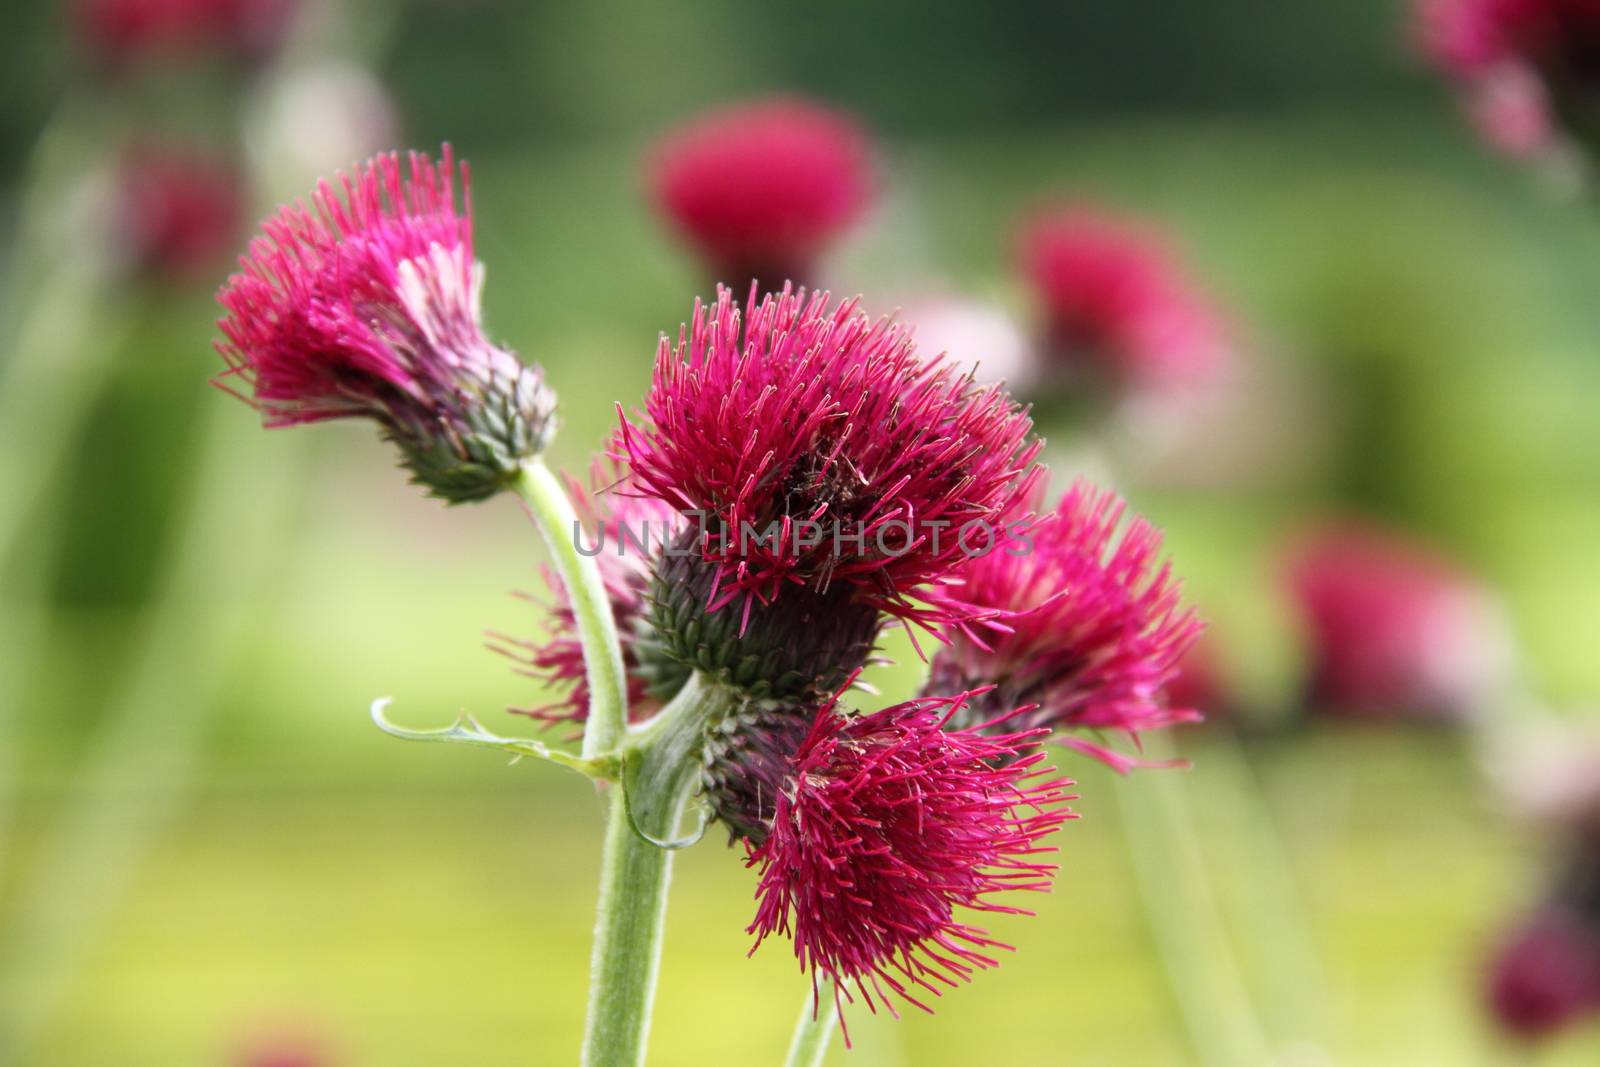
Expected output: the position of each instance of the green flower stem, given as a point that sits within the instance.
(58, 328)
(1181, 910)
(661, 761)
(812, 1030)
(1266, 904)
(557, 521)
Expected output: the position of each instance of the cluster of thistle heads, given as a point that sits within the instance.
(798, 478)
(801, 476)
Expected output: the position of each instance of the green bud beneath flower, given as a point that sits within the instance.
(474, 448)
(803, 646)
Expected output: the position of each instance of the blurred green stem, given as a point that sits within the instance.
(1266, 902)
(50, 377)
(1181, 911)
(558, 523)
(154, 727)
(812, 1031)
(663, 760)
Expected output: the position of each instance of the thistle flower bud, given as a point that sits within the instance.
(748, 758)
(1090, 630)
(368, 304)
(761, 190)
(804, 646)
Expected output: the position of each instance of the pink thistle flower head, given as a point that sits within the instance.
(760, 190)
(1394, 629)
(1089, 628)
(1545, 975)
(1119, 308)
(1526, 66)
(120, 33)
(626, 536)
(368, 304)
(823, 456)
(886, 825)
(177, 210)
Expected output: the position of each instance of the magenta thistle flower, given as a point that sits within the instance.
(367, 304)
(1118, 306)
(822, 454)
(121, 32)
(762, 189)
(886, 824)
(1090, 628)
(1545, 975)
(626, 535)
(1525, 66)
(1393, 628)
(177, 210)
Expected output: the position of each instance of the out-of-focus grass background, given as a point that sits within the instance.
(406, 905)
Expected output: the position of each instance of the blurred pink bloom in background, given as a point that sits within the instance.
(762, 189)
(1394, 629)
(121, 32)
(178, 210)
(1546, 973)
(1117, 304)
(1524, 66)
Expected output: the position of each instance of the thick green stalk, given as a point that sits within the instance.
(661, 759)
(812, 1030)
(602, 656)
